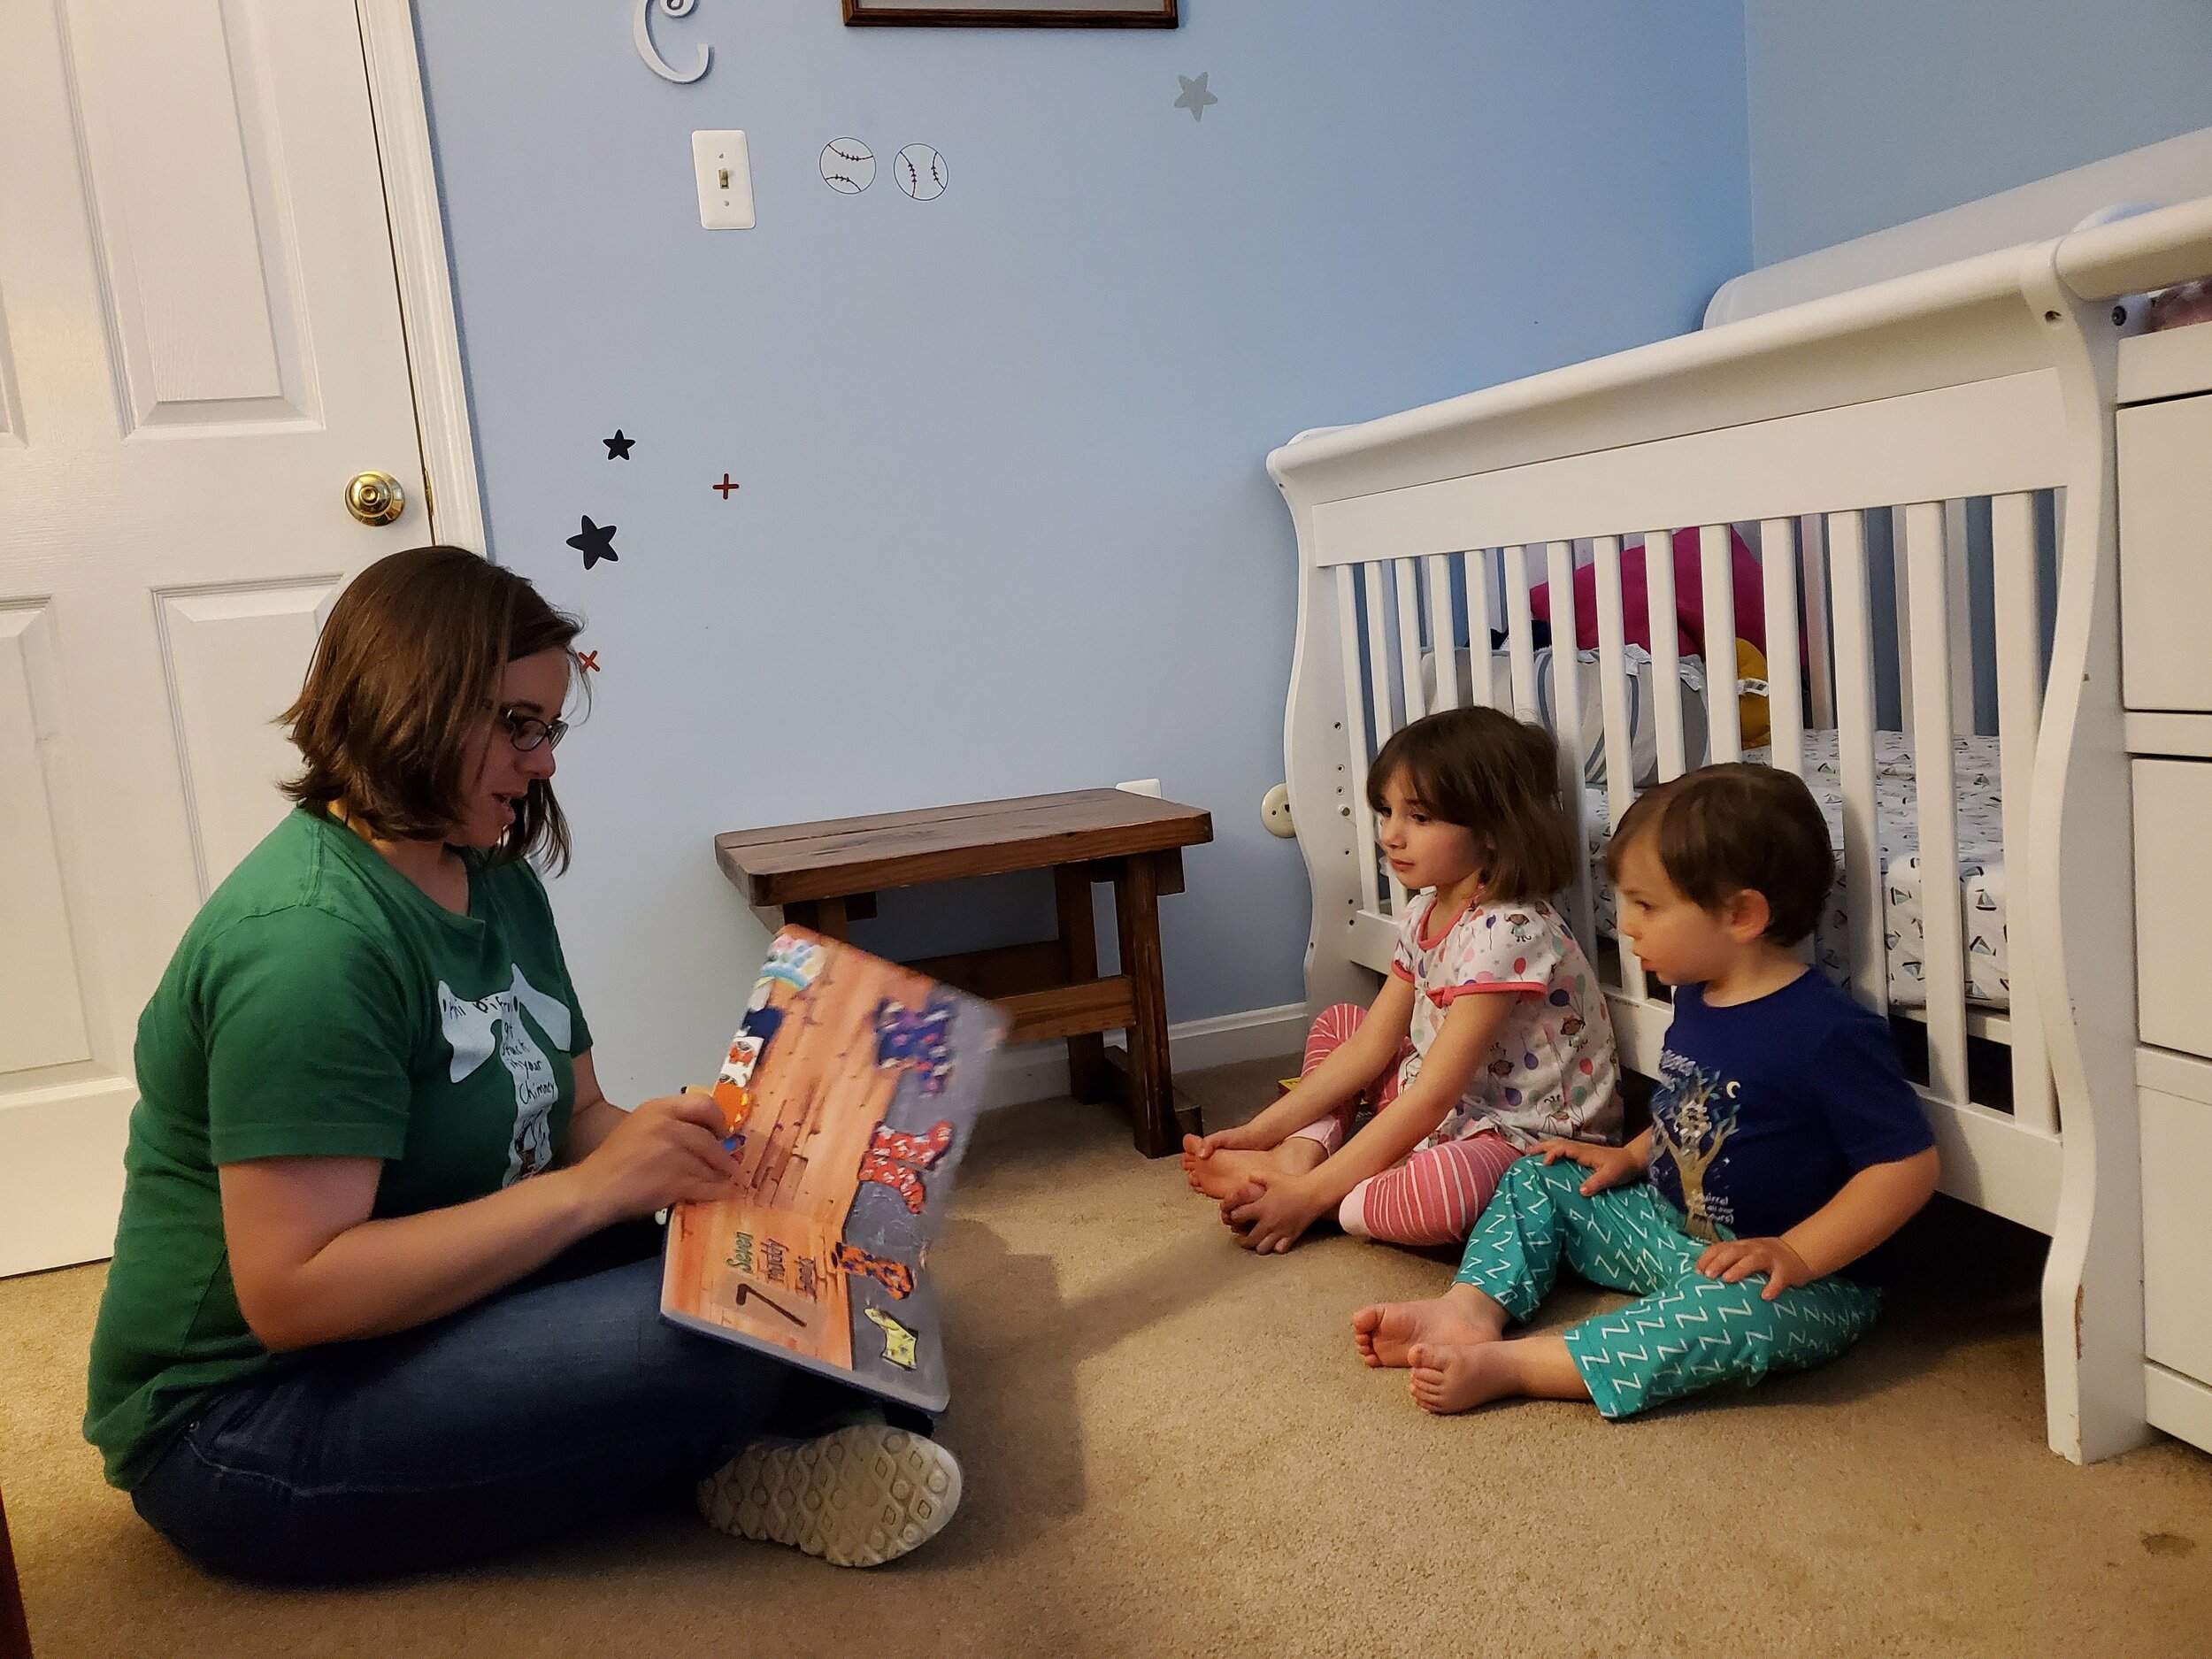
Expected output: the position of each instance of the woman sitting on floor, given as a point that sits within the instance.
(385, 1295)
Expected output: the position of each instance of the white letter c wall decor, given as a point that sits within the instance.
(646, 50)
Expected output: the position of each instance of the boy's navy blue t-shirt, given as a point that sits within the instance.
(1764, 1110)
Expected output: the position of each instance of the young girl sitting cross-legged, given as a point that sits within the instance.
(1785, 1144)
(1489, 1032)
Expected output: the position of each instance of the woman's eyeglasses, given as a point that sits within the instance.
(525, 732)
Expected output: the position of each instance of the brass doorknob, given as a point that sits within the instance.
(375, 497)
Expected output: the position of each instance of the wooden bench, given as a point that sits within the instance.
(825, 876)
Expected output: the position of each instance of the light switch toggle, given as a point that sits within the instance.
(725, 177)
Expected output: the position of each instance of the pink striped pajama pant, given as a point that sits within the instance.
(1432, 1196)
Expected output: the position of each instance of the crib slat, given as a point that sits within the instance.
(1355, 729)
(1904, 618)
(1409, 640)
(1785, 710)
(2019, 713)
(1620, 757)
(1935, 769)
(1520, 632)
(1820, 667)
(1444, 654)
(1724, 725)
(1666, 650)
(1378, 679)
(1566, 701)
(1855, 745)
(1960, 608)
(1481, 683)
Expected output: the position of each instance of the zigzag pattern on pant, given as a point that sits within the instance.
(1702, 1331)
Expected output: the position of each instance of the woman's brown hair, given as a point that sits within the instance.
(1497, 777)
(401, 694)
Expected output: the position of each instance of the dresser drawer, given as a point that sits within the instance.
(2177, 1103)
(2166, 554)
(2173, 903)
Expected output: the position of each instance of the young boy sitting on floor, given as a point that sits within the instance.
(1785, 1143)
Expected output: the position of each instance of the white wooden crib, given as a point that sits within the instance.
(1965, 419)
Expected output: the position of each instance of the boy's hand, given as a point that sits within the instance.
(1608, 1166)
(1271, 1212)
(1737, 1259)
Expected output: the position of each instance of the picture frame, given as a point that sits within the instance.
(1065, 14)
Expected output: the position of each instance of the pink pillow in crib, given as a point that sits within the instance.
(1689, 597)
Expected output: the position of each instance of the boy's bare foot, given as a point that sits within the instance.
(1386, 1332)
(1460, 1377)
(1226, 1173)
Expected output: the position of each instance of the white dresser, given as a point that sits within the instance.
(2165, 450)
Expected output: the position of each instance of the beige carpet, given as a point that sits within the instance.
(1170, 1449)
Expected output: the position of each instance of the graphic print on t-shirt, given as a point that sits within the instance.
(468, 1027)
(1692, 1114)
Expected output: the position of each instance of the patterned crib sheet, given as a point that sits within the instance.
(1981, 870)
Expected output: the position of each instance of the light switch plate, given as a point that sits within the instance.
(725, 179)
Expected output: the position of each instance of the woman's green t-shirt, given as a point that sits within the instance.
(319, 1004)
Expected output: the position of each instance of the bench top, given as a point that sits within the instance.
(838, 858)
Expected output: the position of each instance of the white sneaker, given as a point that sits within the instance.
(856, 1497)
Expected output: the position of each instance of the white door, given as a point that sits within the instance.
(199, 345)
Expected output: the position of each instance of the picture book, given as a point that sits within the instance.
(849, 1092)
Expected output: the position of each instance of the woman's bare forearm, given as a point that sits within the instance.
(393, 1274)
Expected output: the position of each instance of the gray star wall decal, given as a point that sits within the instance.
(1195, 98)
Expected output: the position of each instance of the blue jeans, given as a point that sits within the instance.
(561, 1400)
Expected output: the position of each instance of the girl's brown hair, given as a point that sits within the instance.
(402, 690)
(1498, 777)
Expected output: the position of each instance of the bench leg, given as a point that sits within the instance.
(1151, 1088)
(1088, 1079)
(826, 917)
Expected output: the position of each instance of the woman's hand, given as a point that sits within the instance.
(1272, 1211)
(1608, 1166)
(667, 1151)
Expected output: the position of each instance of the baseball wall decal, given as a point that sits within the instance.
(849, 167)
(921, 172)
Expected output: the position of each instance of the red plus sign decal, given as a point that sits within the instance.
(726, 487)
(590, 660)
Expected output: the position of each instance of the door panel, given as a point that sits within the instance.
(234, 656)
(42, 1005)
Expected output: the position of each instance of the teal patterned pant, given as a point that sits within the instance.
(1688, 1332)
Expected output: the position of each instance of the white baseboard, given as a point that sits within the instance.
(1039, 1071)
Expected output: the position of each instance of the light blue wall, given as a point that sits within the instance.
(1866, 114)
(1004, 526)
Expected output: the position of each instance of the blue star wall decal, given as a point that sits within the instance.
(618, 446)
(595, 541)
(1195, 98)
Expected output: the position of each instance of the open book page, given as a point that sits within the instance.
(850, 1088)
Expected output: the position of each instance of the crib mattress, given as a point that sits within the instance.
(1981, 868)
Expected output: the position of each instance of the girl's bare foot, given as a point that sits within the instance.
(1386, 1332)
(1459, 1378)
(1227, 1172)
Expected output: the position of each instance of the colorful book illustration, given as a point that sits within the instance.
(849, 1091)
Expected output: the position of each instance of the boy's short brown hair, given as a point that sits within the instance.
(402, 690)
(1732, 828)
(1498, 777)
